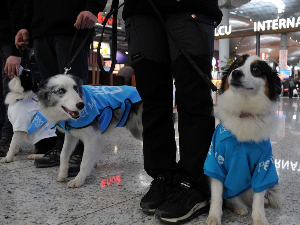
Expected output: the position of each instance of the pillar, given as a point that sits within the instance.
(283, 52)
(224, 43)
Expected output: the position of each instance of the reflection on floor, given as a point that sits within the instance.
(112, 193)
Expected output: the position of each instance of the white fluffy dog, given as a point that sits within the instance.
(22, 113)
(240, 163)
(87, 113)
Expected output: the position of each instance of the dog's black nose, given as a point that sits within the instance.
(237, 74)
(80, 105)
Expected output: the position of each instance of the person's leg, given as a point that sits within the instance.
(148, 49)
(7, 130)
(45, 56)
(196, 123)
(79, 67)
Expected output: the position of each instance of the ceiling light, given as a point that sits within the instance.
(278, 3)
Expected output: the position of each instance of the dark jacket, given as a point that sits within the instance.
(208, 7)
(52, 17)
(11, 12)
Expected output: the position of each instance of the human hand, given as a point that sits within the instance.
(12, 65)
(22, 39)
(85, 19)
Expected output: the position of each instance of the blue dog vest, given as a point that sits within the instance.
(240, 165)
(101, 101)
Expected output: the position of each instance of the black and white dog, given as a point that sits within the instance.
(87, 113)
(240, 163)
(22, 107)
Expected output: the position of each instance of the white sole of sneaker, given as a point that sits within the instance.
(197, 207)
(148, 210)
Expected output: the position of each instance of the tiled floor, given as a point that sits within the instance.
(111, 195)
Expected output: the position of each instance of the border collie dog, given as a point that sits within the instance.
(22, 108)
(87, 113)
(240, 162)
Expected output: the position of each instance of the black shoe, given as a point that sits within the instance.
(183, 204)
(74, 165)
(50, 159)
(4, 145)
(2, 154)
(157, 194)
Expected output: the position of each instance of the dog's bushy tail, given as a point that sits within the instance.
(273, 198)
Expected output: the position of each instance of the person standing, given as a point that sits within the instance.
(292, 86)
(11, 12)
(178, 190)
(52, 25)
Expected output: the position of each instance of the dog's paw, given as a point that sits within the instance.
(6, 160)
(240, 211)
(61, 178)
(260, 222)
(75, 183)
(212, 220)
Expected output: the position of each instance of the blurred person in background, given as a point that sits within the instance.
(127, 73)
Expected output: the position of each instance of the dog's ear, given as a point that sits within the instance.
(43, 93)
(274, 84)
(79, 83)
(223, 82)
(78, 80)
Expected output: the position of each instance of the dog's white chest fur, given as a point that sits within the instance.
(256, 127)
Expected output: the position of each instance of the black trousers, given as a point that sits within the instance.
(5, 126)
(52, 54)
(156, 60)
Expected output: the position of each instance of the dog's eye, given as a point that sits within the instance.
(61, 91)
(256, 69)
(76, 89)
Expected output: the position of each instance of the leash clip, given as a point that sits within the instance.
(67, 70)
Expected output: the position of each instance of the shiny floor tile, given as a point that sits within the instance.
(112, 192)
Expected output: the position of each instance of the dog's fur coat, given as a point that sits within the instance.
(246, 106)
(21, 95)
(61, 98)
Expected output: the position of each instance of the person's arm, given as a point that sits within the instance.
(87, 18)
(22, 37)
(15, 11)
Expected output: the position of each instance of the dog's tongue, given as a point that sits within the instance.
(243, 115)
(73, 113)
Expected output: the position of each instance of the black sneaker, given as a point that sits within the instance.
(50, 159)
(4, 145)
(74, 165)
(157, 194)
(183, 204)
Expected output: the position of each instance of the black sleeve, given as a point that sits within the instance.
(27, 17)
(15, 11)
(95, 6)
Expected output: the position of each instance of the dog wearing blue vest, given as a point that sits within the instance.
(22, 108)
(240, 163)
(87, 113)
